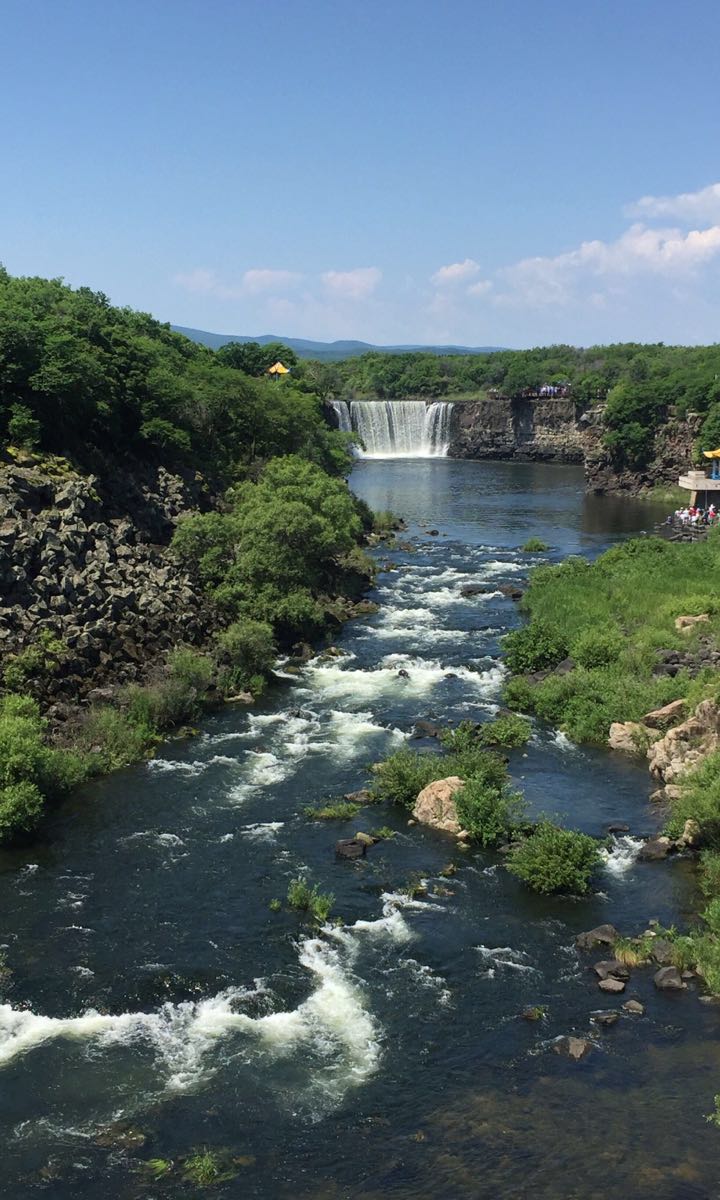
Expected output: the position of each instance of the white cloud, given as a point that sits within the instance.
(205, 282)
(457, 272)
(703, 205)
(263, 279)
(352, 285)
(481, 288)
(639, 251)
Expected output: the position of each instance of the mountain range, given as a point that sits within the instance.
(324, 351)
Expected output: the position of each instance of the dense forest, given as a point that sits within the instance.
(83, 378)
(641, 384)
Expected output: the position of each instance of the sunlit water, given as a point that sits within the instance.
(382, 1057)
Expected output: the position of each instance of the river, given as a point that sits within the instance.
(157, 1005)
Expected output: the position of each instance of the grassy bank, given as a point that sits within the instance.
(608, 624)
(612, 619)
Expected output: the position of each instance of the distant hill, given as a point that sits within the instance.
(325, 351)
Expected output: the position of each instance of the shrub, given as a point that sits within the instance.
(245, 651)
(538, 646)
(535, 545)
(117, 738)
(191, 669)
(385, 521)
(508, 732)
(597, 647)
(555, 860)
(39, 660)
(30, 771)
(384, 833)
(23, 428)
(304, 898)
(342, 810)
(21, 806)
(402, 776)
(486, 807)
(710, 872)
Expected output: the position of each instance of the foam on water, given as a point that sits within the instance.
(621, 855)
(332, 1025)
(496, 958)
(335, 680)
(262, 831)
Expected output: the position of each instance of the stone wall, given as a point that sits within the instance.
(539, 429)
(89, 562)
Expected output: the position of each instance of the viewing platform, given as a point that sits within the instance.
(699, 484)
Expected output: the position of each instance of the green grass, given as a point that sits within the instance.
(307, 898)
(342, 810)
(207, 1167)
(611, 617)
(535, 545)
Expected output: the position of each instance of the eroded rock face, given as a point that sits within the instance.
(435, 805)
(683, 747)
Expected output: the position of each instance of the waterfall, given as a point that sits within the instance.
(401, 428)
(342, 412)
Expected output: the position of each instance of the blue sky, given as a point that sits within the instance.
(512, 172)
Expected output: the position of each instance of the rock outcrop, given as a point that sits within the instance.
(541, 428)
(687, 744)
(435, 805)
(87, 561)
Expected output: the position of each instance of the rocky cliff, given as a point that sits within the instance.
(536, 428)
(87, 561)
(673, 454)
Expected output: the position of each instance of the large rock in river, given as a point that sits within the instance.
(435, 805)
(630, 737)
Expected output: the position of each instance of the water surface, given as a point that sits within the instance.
(154, 988)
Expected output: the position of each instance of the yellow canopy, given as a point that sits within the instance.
(278, 369)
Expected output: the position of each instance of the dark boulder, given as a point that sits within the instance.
(611, 968)
(350, 848)
(611, 984)
(662, 951)
(426, 729)
(403, 674)
(618, 828)
(601, 935)
(655, 849)
(360, 797)
(669, 979)
(605, 1017)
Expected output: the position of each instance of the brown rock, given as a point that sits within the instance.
(573, 1047)
(605, 1017)
(691, 835)
(630, 737)
(612, 985)
(634, 1006)
(683, 747)
(687, 624)
(435, 805)
(663, 718)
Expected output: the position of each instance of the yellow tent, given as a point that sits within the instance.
(278, 369)
(711, 453)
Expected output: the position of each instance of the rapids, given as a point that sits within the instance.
(153, 987)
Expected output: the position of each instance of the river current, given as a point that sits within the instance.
(154, 994)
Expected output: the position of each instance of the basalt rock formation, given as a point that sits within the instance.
(536, 428)
(88, 562)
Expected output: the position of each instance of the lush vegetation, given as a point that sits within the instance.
(81, 377)
(552, 859)
(31, 772)
(611, 618)
(280, 551)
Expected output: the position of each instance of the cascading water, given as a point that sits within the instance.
(342, 412)
(399, 428)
